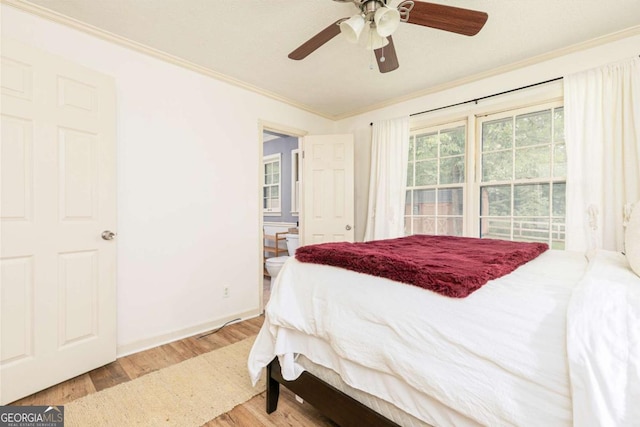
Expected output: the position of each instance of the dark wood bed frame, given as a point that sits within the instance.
(331, 402)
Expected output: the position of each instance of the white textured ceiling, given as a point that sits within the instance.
(249, 40)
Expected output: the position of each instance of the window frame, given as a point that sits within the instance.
(271, 158)
(296, 172)
(550, 180)
(438, 128)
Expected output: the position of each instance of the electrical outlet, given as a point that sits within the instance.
(225, 292)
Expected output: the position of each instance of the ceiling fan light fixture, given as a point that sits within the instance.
(375, 40)
(352, 27)
(386, 20)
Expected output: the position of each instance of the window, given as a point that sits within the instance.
(271, 184)
(519, 164)
(435, 180)
(523, 168)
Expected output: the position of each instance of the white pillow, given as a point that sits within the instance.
(632, 239)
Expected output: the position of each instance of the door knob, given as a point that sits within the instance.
(108, 235)
(348, 227)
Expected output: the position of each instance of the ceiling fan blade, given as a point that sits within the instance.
(390, 61)
(448, 18)
(316, 41)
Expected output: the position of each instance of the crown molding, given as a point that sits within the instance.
(578, 47)
(68, 21)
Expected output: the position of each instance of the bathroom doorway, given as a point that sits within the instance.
(280, 198)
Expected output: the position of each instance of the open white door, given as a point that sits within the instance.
(58, 178)
(328, 189)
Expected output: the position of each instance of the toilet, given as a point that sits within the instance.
(275, 264)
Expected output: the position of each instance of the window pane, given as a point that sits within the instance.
(497, 134)
(426, 146)
(533, 128)
(495, 201)
(276, 178)
(559, 161)
(424, 225)
(531, 200)
(449, 226)
(408, 203)
(407, 225)
(268, 179)
(557, 233)
(268, 168)
(559, 199)
(410, 174)
(533, 162)
(531, 229)
(495, 228)
(450, 201)
(424, 202)
(274, 192)
(452, 141)
(452, 170)
(426, 172)
(558, 125)
(412, 144)
(497, 166)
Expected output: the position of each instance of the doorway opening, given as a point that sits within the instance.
(280, 199)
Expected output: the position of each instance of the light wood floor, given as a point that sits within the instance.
(251, 413)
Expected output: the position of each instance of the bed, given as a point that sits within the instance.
(555, 342)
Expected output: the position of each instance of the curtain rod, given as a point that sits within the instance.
(483, 97)
(486, 97)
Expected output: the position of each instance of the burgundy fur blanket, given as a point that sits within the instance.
(451, 266)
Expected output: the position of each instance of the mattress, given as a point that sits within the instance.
(439, 414)
(388, 410)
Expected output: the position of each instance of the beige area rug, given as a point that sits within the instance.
(189, 393)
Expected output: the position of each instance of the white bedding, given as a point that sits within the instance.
(497, 357)
(604, 344)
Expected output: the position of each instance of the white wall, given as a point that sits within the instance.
(526, 75)
(187, 150)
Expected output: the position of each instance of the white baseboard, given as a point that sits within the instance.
(147, 343)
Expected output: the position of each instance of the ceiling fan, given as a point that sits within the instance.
(383, 21)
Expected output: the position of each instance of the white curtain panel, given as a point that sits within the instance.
(602, 132)
(387, 184)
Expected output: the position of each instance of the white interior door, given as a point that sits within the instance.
(328, 191)
(58, 180)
